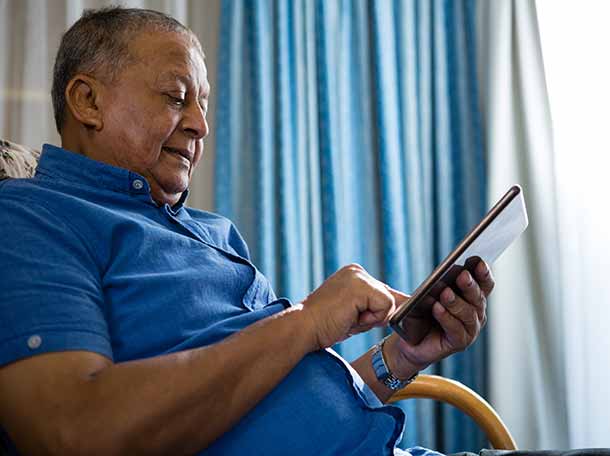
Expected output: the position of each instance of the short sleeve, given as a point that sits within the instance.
(51, 297)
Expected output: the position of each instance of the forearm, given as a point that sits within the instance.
(364, 367)
(163, 405)
(179, 403)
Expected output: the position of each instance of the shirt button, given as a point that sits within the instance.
(137, 184)
(34, 341)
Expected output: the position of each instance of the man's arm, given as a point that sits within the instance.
(80, 403)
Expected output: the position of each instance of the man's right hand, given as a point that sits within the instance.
(349, 302)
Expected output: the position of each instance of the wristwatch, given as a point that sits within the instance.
(383, 373)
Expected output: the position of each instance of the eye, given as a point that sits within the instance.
(176, 101)
(203, 103)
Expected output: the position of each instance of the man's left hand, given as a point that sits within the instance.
(460, 319)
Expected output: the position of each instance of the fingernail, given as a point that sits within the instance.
(469, 280)
(450, 296)
(484, 270)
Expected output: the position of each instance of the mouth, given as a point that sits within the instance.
(185, 153)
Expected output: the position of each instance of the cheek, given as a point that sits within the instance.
(160, 127)
(138, 147)
(142, 136)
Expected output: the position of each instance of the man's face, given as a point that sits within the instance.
(154, 114)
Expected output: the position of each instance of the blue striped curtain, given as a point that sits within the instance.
(348, 131)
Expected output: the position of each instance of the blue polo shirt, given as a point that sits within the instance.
(88, 261)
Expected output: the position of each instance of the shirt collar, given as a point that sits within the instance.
(63, 164)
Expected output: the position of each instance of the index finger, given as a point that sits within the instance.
(399, 296)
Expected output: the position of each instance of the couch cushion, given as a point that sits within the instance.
(17, 160)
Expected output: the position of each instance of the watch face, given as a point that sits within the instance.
(392, 382)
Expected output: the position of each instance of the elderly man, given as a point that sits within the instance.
(131, 324)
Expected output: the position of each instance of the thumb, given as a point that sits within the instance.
(367, 318)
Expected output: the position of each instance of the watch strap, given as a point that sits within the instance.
(382, 371)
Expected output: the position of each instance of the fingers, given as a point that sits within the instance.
(348, 302)
(471, 292)
(366, 322)
(476, 286)
(466, 313)
(381, 307)
(470, 308)
(452, 326)
(484, 277)
(460, 314)
(399, 296)
(381, 301)
(367, 319)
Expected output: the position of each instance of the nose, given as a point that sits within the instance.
(195, 122)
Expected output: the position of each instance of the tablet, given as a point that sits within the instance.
(501, 226)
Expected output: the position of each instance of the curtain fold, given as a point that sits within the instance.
(527, 348)
(349, 131)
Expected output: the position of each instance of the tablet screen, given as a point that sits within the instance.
(497, 230)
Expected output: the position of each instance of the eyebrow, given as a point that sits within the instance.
(172, 75)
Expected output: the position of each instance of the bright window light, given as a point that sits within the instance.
(575, 41)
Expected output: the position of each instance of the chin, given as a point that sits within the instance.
(174, 184)
(168, 193)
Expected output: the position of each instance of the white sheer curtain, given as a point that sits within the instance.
(575, 45)
(526, 312)
(30, 31)
(550, 346)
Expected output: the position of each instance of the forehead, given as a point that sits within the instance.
(169, 56)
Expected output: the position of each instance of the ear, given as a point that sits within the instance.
(82, 96)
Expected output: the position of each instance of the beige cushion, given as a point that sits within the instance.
(17, 160)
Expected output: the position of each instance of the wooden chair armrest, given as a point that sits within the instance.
(466, 400)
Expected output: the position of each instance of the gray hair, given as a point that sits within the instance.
(97, 44)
